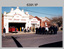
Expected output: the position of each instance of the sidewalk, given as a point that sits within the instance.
(8, 34)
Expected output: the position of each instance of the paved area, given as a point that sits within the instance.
(30, 39)
(9, 34)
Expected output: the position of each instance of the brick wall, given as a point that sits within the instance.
(2, 22)
(38, 19)
(48, 23)
(42, 23)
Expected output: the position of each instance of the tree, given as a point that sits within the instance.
(57, 20)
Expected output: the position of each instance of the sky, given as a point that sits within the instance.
(38, 11)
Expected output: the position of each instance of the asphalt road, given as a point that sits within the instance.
(30, 40)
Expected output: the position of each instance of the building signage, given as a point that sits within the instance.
(19, 19)
(10, 19)
(23, 19)
(34, 22)
(16, 19)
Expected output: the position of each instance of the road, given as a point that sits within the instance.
(30, 40)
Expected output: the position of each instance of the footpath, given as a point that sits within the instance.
(8, 34)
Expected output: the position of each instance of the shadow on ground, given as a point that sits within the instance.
(55, 44)
(17, 43)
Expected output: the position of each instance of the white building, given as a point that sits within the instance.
(18, 16)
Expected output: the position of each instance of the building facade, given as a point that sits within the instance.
(44, 21)
(19, 18)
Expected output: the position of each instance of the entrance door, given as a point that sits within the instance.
(17, 25)
(33, 27)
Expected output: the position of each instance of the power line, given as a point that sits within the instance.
(40, 12)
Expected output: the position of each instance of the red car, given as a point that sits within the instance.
(12, 29)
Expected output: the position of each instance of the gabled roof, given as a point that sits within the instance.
(30, 16)
(38, 18)
(44, 18)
